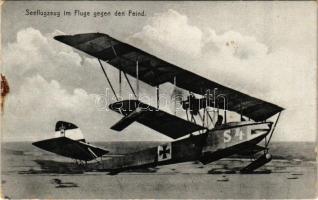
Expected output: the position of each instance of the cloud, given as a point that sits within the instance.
(34, 53)
(38, 104)
(51, 81)
(45, 80)
(172, 30)
(233, 44)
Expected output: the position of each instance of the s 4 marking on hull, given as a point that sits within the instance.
(238, 134)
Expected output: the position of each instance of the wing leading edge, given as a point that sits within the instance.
(155, 71)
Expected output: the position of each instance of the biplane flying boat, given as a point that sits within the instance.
(215, 138)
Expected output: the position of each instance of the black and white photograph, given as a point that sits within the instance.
(158, 100)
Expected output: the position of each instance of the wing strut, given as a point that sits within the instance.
(137, 79)
(120, 70)
(158, 97)
(224, 105)
(119, 74)
(119, 79)
(270, 137)
(131, 88)
(92, 153)
(175, 96)
(110, 84)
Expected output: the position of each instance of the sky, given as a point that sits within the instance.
(264, 49)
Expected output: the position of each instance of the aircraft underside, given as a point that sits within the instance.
(194, 148)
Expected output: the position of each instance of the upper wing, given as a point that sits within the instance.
(71, 148)
(163, 122)
(154, 71)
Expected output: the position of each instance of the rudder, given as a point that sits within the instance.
(69, 130)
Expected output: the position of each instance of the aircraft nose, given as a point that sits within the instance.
(262, 129)
(270, 125)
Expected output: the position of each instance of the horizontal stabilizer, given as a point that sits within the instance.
(127, 120)
(71, 148)
(158, 120)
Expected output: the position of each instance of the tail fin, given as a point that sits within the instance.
(69, 130)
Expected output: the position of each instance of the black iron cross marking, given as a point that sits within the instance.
(165, 150)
